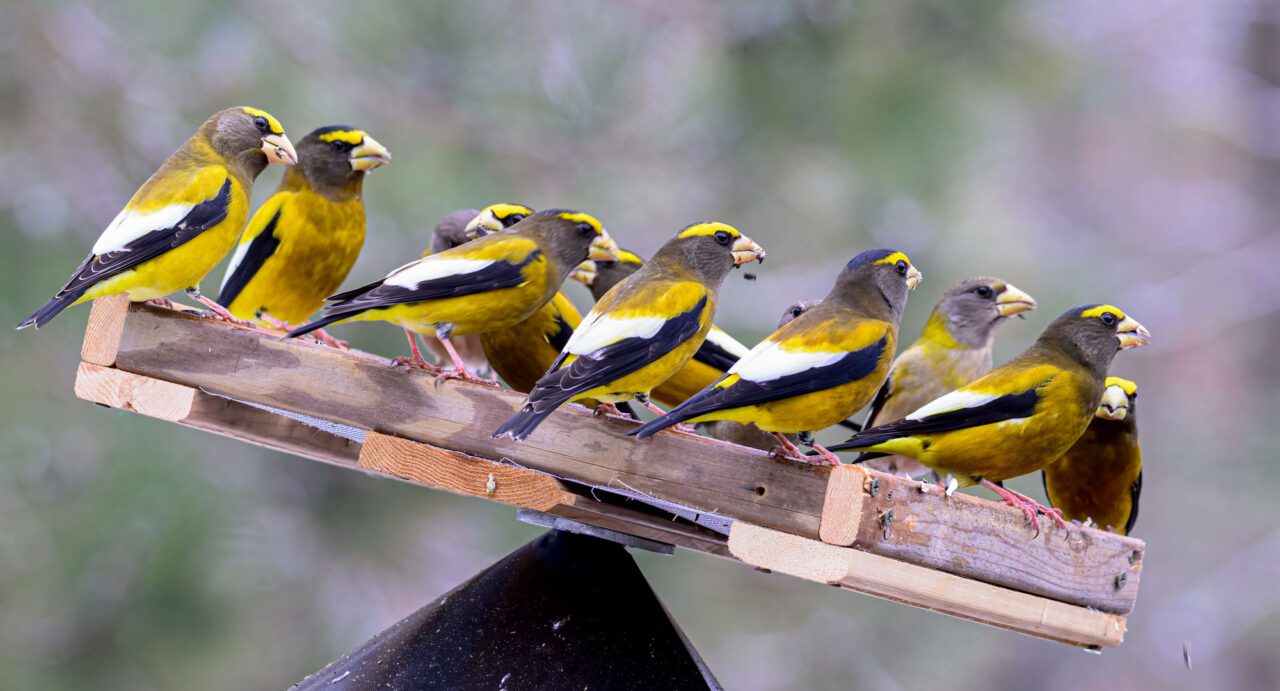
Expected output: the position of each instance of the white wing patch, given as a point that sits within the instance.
(956, 400)
(599, 330)
(130, 225)
(728, 343)
(415, 273)
(769, 360)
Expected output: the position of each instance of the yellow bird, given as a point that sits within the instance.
(183, 220)
(642, 331)
(820, 368)
(1019, 417)
(716, 354)
(953, 350)
(1100, 477)
(494, 282)
(302, 242)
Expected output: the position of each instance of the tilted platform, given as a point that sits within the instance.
(858, 529)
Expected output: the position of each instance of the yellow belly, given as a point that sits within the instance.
(476, 313)
(1002, 450)
(807, 413)
(643, 380)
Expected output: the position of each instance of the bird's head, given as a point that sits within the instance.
(796, 309)
(610, 272)
(1118, 400)
(973, 307)
(710, 249)
(251, 136)
(1093, 334)
(337, 156)
(496, 217)
(876, 279)
(572, 237)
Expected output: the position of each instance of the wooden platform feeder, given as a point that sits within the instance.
(850, 527)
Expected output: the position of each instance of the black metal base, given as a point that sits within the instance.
(565, 611)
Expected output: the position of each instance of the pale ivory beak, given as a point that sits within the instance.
(914, 277)
(1013, 301)
(604, 249)
(746, 251)
(1115, 404)
(585, 273)
(279, 149)
(484, 223)
(369, 155)
(1132, 334)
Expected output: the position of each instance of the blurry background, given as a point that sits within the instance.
(1085, 150)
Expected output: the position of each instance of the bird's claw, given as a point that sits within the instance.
(446, 374)
(413, 363)
(161, 302)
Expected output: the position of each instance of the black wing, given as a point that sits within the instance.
(877, 404)
(560, 337)
(1007, 407)
(715, 356)
(853, 366)
(500, 274)
(262, 246)
(97, 268)
(1135, 490)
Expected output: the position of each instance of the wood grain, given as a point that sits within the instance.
(102, 333)
(926, 588)
(979, 538)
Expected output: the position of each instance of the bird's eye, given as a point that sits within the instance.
(902, 268)
(340, 146)
(1108, 318)
(723, 237)
(606, 264)
(262, 125)
(513, 219)
(983, 291)
(797, 311)
(585, 230)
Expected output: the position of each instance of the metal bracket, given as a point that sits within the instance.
(569, 525)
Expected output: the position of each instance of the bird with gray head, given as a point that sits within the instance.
(953, 350)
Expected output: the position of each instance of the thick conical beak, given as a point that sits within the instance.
(1114, 405)
(279, 149)
(369, 155)
(585, 273)
(745, 251)
(914, 277)
(604, 249)
(1132, 334)
(1013, 301)
(484, 223)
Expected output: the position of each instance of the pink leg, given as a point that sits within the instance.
(416, 360)
(221, 312)
(459, 370)
(1029, 506)
(161, 302)
(320, 334)
(1055, 514)
(786, 451)
(678, 427)
(829, 457)
(608, 409)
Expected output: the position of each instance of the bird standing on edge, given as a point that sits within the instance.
(183, 220)
(953, 350)
(644, 330)
(817, 370)
(1019, 417)
(1100, 477)
(494, 282)
(302, 242)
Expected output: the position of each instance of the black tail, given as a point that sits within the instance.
(523, 423)
(320, 323)
(674, 416)
(51, 309)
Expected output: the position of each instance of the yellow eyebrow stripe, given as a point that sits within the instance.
(352, 137)
(894, 259)
(276, 127)
(580, 217)
(502, 211)
(1100, 310)
(1129, 387)
(711, 228)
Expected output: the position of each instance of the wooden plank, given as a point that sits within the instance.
(926, 588)
(979, 538)
(194, 408)
(102, 333)
(462, 474)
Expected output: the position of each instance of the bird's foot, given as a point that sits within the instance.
(827, 457)
(220, 313)
(607, 410)
(781, 454)
(412, 362)
(1030, 507)
(330, 341)
(161, 302)
(464, 374)
(685, 429)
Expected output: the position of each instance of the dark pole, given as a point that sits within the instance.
(566, 611)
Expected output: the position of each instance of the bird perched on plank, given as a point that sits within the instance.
(302, 242)
(457, 228)
(748, 434)
(1100, 477)
(953, 350)
(716, 354)
(494, 282)
(183, 220)
(645, 329)
(819, 369)
(1019, 417)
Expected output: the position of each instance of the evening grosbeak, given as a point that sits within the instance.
(1100, 477)
(820, 368)
(953, 350)
(716, 354)
(644, 330)
(302, 242)
(1019, 417)
(183, 220)
(493, 282)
